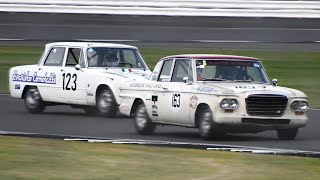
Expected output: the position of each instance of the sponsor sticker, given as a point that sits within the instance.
(193, 102)
(46, 78)
(17, 86)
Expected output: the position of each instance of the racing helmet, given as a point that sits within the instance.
(111, 58)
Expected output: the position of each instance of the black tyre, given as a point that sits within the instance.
(287, 134)
(33, 101)
(106, 103)
(207, 128)
(142, 122)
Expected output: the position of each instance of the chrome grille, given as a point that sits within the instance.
(266, 104)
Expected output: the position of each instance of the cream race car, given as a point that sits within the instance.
(216, 93)
(81, 74)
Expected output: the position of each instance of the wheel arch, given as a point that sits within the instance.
(109, 86)
(199, 109)
(136, 102)
(25, 89)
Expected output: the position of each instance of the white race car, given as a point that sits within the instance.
(216, 93)
(82, 74)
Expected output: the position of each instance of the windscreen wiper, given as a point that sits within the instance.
(247, 81)
(214, 79)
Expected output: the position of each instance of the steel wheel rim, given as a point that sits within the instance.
(141, 117)
(206, 122)
(33, 98)
(105, 102)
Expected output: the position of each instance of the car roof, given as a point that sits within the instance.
(92, 44)
(211, 57)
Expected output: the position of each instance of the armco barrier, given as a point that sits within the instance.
(224, 8)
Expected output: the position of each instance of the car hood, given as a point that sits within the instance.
(250, 88)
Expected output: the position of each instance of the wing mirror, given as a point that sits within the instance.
(186, 80)
(275, 82)
(77, 67)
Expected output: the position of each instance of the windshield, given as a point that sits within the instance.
(114, 57)
(230, 70)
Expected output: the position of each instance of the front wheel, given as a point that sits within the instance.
(33, 101)
(106, 103)
(207, 128)
(142, 122)
(287, 134)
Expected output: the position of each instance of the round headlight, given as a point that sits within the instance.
(233, 103)
(295, 106)
(304, 106)
(224, 104)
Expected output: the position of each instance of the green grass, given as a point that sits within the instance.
(299, 70)
(28, 158)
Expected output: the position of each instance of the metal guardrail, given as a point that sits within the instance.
(221, 8)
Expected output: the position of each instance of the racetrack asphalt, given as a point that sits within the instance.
(162, 31)
(63, 120)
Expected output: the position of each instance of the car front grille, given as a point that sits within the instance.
(266, 104)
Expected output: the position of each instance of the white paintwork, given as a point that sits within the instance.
(215, 93)
(88, 79)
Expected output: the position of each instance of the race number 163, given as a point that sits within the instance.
(176, 100)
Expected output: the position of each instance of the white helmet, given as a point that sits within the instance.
(111, 58)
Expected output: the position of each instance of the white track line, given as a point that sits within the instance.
(9, 39)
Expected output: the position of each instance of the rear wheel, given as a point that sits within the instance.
(106, 103)
(207, 128)
(33, 101)
(287, 134)
(142, 122)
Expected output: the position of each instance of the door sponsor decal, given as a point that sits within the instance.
(67, 78)
(154, 106)
(46, 78)
(193, 102)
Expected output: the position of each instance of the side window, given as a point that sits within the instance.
(55, 57)
(73, 56)
(165, 72)
(182, 69)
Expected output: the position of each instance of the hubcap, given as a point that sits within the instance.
(206, 122)
(141, 117)
(33, 98)
(105, 102)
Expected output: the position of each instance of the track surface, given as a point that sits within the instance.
(238, 33)
(62, 120)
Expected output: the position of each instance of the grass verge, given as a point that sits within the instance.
(299, 70)
(30, 158)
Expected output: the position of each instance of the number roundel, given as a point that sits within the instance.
(66, 81)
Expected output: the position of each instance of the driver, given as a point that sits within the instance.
(225, 72)
(110, 58)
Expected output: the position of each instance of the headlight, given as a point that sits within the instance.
(299, 106)
(229, 104)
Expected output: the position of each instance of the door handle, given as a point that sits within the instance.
(40, 69)
(62, 70)
(164, 88)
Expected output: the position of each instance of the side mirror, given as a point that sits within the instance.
(275, 82)
(186, 80)
(77, 67)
